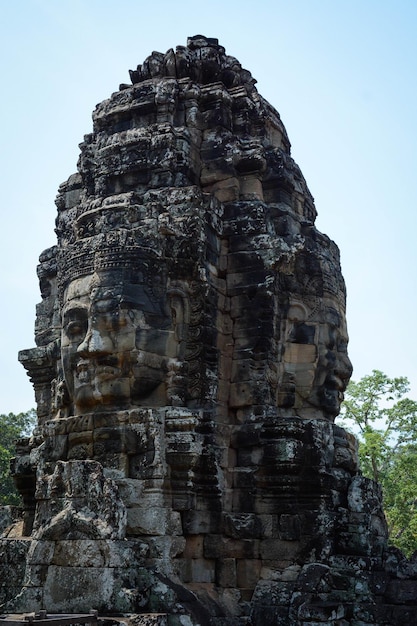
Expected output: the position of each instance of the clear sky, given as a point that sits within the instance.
(342, 74)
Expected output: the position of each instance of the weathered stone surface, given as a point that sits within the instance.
(78, 502)
(8, 516)
(13, 554)
(190, 360)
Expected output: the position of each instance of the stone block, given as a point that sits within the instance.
(8, 515)
(226, 190)
(289, 527)
(86, 553)
(241, 394)
(81, 451)
(248, 572)
(247, 457)
(300, 353)
(201, 522)
(398, 615)
(311, 575)
(270, 616)
(13, 555)
(226, 573)
(243, 500)
(225, 369)
(379, 582)
(247, 435)
(355, 543)
(241, 262)
(283, 451)
(215, 172)
(28, 596)
(203, 570)
(364, 495)
(273, 593)
(402, 592)
(153, 521)
(242, 525)
(41, 552)
(346, 459)
(242, 370)
(130, 490)
(194, 547)
(84, 438)
(59, 448)
(279, 550)
(182, 500)
(223, 391)
(149, 619)
(239, 282)
(321, 613)
(96, 553)
(217, 547)
(224, 324)
(35, 575)
(267, 525)
(163, 548)
(243, 478)
(196, 571)
(77, 589)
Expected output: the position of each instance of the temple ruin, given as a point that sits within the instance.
(190, 361)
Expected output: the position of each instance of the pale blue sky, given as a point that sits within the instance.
(342, 74)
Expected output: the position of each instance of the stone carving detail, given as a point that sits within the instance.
(190, 360)
(77, 502)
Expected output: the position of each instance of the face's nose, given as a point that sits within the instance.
(96, 341)
(344, 368)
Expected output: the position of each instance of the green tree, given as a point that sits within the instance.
(12, 427)
(377, 410)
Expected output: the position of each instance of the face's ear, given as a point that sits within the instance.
(179, 306)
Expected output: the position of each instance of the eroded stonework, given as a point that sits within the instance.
(190, 359)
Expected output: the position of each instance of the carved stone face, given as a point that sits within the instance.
(316, 368)
(117, 342)
(334, 368)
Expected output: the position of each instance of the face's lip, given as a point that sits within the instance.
(103, 366)
(335, 383)
(82, 366)
(333, 390)
(331, 394)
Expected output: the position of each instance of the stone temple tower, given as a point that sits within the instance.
(190, 360)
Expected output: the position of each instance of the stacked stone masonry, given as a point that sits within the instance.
(190, 360)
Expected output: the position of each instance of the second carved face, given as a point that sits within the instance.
(316, 368)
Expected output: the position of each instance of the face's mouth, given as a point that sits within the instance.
(335, 382)
(330, 395)
(86, 370)
(333, 389)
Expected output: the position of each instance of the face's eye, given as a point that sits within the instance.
(342, 346)
(75, 329)
(105, 306)
(333, 337)
(75, 324)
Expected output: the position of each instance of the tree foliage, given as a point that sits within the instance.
(377, 410)
(12, 427)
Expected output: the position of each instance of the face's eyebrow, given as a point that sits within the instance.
(72, 309)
